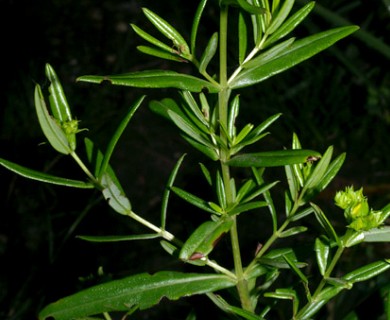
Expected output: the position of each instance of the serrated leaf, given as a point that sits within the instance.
(50, 128)
(299, 51)
(44, 177)
(155, 79)
(143, 290)
(272, 158)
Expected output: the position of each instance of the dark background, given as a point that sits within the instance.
(339, 98)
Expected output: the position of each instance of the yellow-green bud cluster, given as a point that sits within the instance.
(357, 211)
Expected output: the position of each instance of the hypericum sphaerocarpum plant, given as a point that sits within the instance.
(206, 115)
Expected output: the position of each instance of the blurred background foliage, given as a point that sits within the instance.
(340, 98)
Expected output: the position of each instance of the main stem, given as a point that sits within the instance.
(223, 102)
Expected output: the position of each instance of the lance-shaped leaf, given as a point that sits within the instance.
(142, 290)
(325, 224)
(208, 53)
(281, 16)
(290, 24)
(322, 251)
(155, 79)
(194, 200)
(51, 129)
(58, 103)
(168, 31)
(113, 193)
(299, 51)
(203, 240)
(119, 238)
(377, 235)
(195, 24)
(272, 158)
(44, 177)
(118, 133)
(242, 38)
(368, 271)
(159, 53)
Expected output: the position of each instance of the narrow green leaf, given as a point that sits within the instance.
(203, 240)
(206, 173)
(161, 107)
(194, 200)
(264, 125)
(114, 195)
(290, 24)
(167, 192)
(272, 158)
(207, 150)
(368, 271)
(262, 189)
(293, 231)
(322, 251)
(320, 169)
(242, 38)
(226, 307)
(325, 224)
(44, 177)
(220, 189)
(159, 53)
(332, 170)
(51, 129)
(155, 79)
(195, 24)
(281, 16)
(95, 157)
(194, 110)
(276, 258)
(146, 36)
(302, 214)
(251, 8)
(143, 290)
(208, 53)
(247, 207)
(299, 51)
(269, 55)
(233, 114)
(58, 103)
(119, 238)
(243, 134)
(187, 127)
(293, 183)
(377, 235)
(168, 31)
(118, 133)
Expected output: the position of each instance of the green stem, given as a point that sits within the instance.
(223, 102)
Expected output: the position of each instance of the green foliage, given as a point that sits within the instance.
(206, 116)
